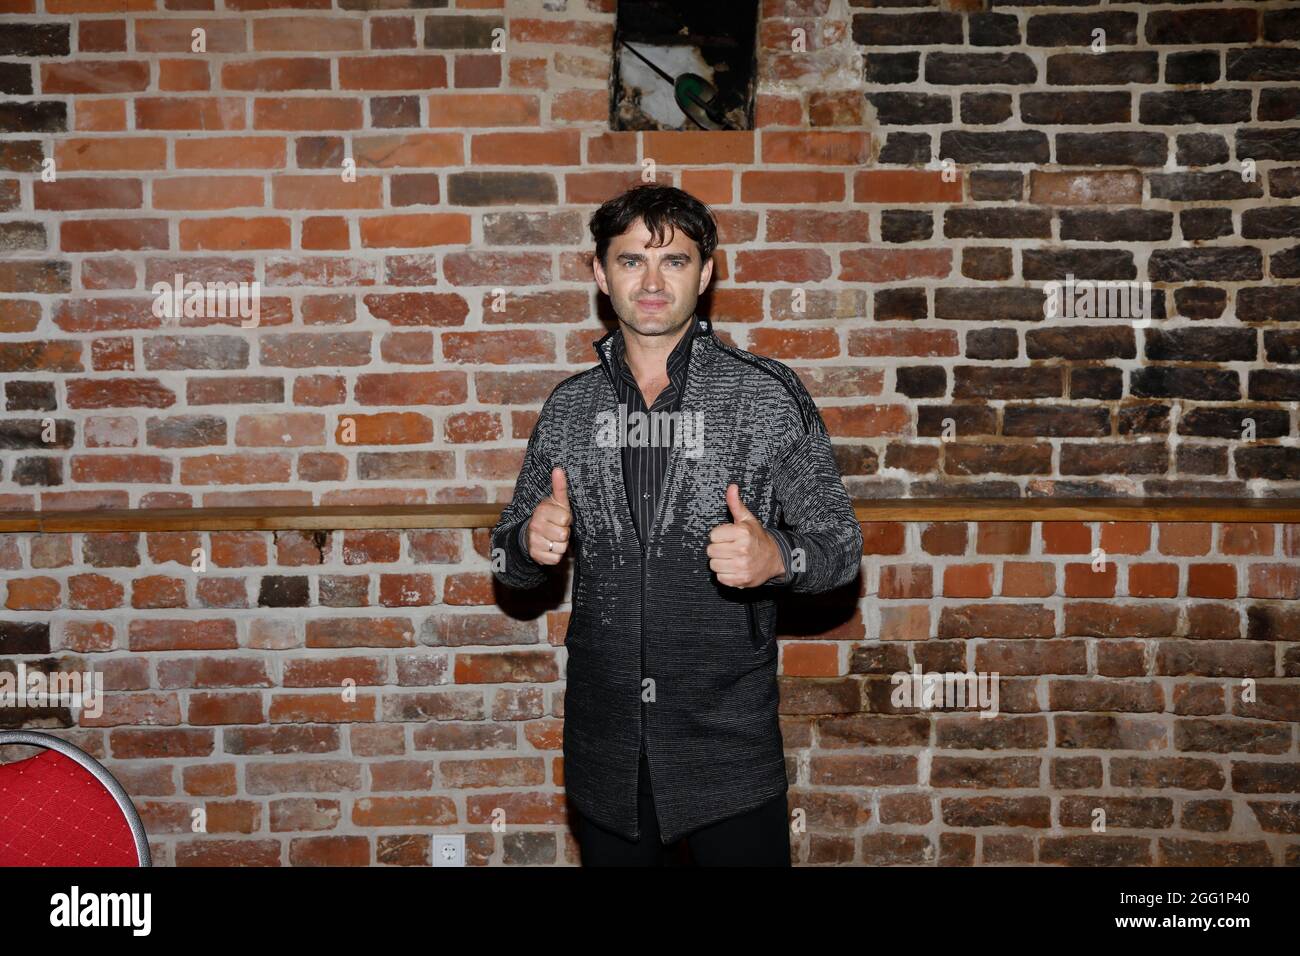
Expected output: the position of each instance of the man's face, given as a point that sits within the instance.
(654, 290)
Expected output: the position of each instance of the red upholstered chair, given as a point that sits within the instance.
(62, 808)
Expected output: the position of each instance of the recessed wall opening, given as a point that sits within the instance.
(684, 65)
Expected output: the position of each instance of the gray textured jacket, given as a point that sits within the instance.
(655, 611)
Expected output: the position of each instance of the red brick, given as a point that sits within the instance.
(1153, 580)
(968, 580)
(905, 186)
(1003, 537)
(1028, 579)
(902, 581)
(1125, 537)
(1184, 539)
(810, 659)
(1066, 537)
(1212, 581)
(1084, 580)
(32, 594)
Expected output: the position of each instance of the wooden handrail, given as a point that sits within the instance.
(484, 515)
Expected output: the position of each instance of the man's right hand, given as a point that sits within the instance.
(548, 527)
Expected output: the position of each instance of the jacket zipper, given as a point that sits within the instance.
(577, 574)
(645, 554)
(645, 557)
(645, 713)
(753, 624)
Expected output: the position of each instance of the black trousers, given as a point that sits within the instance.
(758, 837)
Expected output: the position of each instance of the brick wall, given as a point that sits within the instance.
(1155, 681)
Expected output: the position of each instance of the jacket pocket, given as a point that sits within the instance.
(761, 617)
(755, 636)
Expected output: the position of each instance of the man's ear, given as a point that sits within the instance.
(599, 270)
(706, 273)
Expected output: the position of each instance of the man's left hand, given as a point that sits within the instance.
(742, 553)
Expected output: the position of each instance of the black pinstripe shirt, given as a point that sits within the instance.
(645, 462)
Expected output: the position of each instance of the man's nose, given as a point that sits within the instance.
(652, 282)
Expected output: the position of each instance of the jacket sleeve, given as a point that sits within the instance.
(822, 547)
(787, 559)
(532, 486)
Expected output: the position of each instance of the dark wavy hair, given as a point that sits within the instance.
(657, 206)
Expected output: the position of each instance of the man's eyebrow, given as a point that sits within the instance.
(641, 255)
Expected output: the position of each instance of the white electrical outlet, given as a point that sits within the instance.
(448, 849)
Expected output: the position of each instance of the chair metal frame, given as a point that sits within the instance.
(33, 738)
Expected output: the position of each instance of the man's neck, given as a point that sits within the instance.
(647, 355)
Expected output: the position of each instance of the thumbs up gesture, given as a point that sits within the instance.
(742, 553)
(548, 528)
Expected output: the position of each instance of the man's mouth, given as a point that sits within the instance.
(652, 305)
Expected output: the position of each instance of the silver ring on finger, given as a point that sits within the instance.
(548, 545)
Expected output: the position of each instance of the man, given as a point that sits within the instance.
(681, 532)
